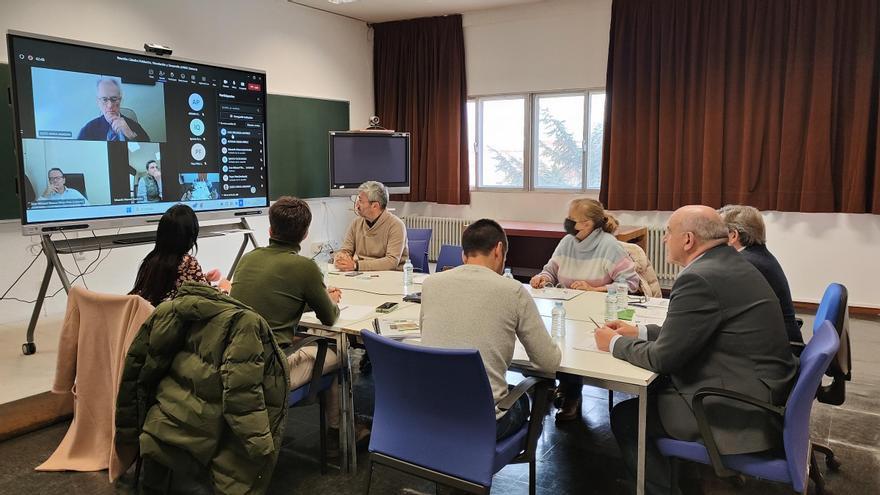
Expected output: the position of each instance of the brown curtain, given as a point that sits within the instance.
(420, 88)
(772, 103)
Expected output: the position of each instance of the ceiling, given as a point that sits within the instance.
(393, 10)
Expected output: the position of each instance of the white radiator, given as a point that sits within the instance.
(666, 272)
(445, 231)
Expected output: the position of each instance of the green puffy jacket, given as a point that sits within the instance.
(204, 389)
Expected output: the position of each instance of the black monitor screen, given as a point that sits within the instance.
(107, 133)
(358, 157)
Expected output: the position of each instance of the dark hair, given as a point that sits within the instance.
(482, 236)
(289, 219)
(175, 237)
(55, 168)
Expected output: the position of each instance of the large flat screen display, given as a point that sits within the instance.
(359, 156)
(111, 137)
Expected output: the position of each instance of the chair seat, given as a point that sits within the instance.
(757, 465)
(297, 395)
(509, 447)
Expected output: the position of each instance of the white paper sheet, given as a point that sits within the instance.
(348, 313)
(584, 340)
(553, 293)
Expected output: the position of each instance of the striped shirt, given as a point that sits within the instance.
(598, 260)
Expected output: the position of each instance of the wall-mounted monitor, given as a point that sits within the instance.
(109, 137)
(359, 156)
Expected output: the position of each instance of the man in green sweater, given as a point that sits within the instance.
(376, 239)
(279, 284)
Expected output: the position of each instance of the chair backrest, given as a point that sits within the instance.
(434, 408)
(76, 181)
(796, 427)
(833, 308)
(127, 112)
(418, 254)
(419, 234)
(449, 257)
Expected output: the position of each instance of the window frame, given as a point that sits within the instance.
(530, 137)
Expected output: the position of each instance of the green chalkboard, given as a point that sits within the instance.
(299, 144)
(9, 205)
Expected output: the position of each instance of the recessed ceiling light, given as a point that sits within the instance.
(338, 2)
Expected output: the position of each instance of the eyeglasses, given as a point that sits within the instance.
(57, 177)
(110, 99)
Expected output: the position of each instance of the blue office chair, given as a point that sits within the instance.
(791, 469)
(435, 416)
(449, 257)
(418, 254)
(316, 388)
(419, 234)
(833, 308)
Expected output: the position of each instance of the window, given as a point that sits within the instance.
(539, 141)
(500, 142)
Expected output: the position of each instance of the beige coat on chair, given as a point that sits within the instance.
(97, 331)
(649, 282)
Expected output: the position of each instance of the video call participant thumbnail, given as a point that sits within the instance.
(149, 187)
(111, 125)
(58, 191)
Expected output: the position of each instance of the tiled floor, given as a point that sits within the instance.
(579, 457)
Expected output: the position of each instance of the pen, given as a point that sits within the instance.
(376, 326)
(594, 322)
(639, 305)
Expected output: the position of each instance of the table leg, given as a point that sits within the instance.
(643, 416)
(347, 426)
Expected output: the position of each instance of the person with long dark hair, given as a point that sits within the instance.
(169, 264)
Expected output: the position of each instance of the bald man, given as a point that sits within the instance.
(724, 329)
(111, 125)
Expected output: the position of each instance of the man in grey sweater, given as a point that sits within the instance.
(474, 307)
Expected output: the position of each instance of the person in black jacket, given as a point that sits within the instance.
(746, 233)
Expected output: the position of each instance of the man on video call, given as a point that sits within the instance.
(57, 190)
(111, 125)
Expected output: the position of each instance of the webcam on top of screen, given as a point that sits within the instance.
(157, 49)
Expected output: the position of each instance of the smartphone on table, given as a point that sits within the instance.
(386, 307)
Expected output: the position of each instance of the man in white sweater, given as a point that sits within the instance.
(474, 307)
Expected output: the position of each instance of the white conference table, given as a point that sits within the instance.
(580, 357)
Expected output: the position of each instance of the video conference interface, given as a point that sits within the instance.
(113, 134)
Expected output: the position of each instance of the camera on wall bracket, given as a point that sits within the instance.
(157, 49)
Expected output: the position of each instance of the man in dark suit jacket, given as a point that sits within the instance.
(111, 125)
(724, 329)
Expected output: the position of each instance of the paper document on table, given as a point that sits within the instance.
(419, 278)
(348, 313)
(553, 293)
(584, 340)
(397, 328)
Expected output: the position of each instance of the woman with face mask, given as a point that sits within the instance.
(588, 258)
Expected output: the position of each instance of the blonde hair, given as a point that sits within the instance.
(594, 211)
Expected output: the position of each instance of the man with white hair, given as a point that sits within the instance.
(376, 239)
(747, 235)
(111, 125)
(724, 330)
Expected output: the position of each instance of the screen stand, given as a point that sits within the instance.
(52, 248)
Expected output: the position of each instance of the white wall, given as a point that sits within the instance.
(304, 52)
(564, 45)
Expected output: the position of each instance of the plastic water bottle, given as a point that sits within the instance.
(407, 277)
(557, 321)
(622, 294)
(610, 304)
(508, 273)
(323, 261)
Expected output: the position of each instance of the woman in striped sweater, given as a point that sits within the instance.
(588, 258)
